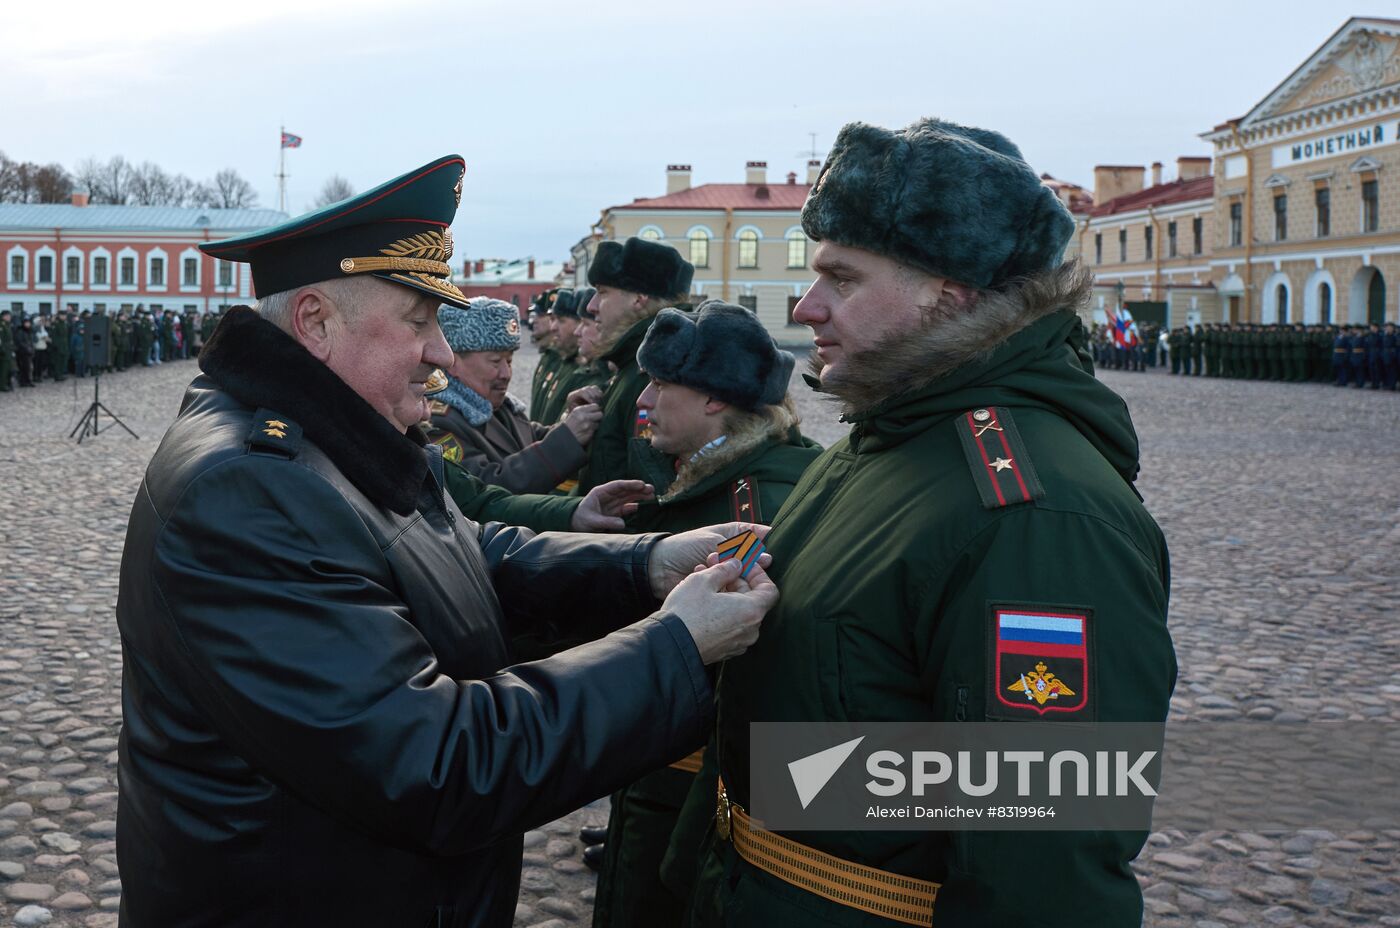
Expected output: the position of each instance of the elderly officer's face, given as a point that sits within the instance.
(384, 346)
(859, 300)
(486, 372)
(682, 420)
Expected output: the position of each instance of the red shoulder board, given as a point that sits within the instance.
(997, 457)
(744, 497)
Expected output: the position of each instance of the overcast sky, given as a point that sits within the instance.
(562, 109)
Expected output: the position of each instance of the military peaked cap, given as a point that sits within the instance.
(399, 232)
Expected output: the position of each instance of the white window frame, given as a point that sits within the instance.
(92, 268)
(738, 249)
(73, 251)
(22, 252)
(135, 257)
(44, 251)
(660, 234)
(198, 270)
(789, 237)
(709, 243)
(164, 284)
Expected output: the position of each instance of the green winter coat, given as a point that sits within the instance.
(482, 502)
(891, 556)
(607, 453)
(748, 479)
(570, 376)
(544, 375)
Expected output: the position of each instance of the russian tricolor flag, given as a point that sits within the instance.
(1040, 634)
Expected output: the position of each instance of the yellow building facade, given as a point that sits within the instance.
(1306, 213)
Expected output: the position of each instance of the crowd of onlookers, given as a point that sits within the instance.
(34, 348)
(1355, 355)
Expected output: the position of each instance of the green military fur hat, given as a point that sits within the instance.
(398, 232)
(566, 304)
(486, 324)
(720, 349)
(955, 201)
(640, 266)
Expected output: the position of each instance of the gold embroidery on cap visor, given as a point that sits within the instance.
(419, 261)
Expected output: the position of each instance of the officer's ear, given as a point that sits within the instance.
(310, 316)
(714, 407)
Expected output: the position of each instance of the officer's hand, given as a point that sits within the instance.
(675, 556)
(606, 505)
(583, 422)
(721, 611)
(583, 396)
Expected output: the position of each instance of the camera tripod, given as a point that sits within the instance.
(90, 423)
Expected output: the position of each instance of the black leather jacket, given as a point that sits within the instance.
(321, 726)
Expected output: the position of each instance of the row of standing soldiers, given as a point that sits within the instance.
(33, 348)
(1358, 354)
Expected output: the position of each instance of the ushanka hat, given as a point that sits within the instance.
(398, 232)
(720, 349)
(955, 201)
(640, 266)
(566, 304)
(486, 324)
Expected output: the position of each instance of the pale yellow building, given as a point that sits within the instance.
(745, 240)
(1306, 218)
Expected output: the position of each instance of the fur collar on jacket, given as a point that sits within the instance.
(753, 431)
(261, 366)
(910, 361)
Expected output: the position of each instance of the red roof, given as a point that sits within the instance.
(719, 196)
(1177, 191)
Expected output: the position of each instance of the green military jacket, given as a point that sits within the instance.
(58, 345)
(545, 372)
(894, 556)
(7, 342)
(608, 452)
(482, 502)
(570, 376)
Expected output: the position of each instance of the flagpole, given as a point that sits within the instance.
(282, 170)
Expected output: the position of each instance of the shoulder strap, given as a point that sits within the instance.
(275, 434)
(743, 495)
(997, 457)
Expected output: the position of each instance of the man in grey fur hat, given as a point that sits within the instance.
(481, 426)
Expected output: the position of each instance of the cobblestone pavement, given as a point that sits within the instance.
(1280, 503)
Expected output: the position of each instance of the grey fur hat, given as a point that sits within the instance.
(486, 324)
(640, 266)
(719, 349)
(955, 201)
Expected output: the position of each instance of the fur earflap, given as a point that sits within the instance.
(721, 350)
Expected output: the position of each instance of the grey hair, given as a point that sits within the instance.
(347, 292)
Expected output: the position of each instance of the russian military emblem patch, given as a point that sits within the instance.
(1039, 663)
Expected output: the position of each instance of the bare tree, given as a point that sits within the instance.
(228, 190)
(11, 188)
(335, 189)
(50, 183)
(107, 182)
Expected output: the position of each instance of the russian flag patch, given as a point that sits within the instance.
(1039, 662)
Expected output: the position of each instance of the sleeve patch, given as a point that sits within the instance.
(1039, 663)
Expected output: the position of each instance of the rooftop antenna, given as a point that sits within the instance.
(811, 153)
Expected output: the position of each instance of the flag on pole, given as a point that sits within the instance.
(290, 141)
(1125, 334)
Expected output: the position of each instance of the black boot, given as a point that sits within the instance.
(593, 857)
(593, 834)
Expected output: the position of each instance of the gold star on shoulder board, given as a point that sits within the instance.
(1000, 464)
(275, 433)
(276, 424)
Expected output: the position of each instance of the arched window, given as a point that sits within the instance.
(1282, 297)
(700, 248)
(748, 248)
(1324, 303)
(650, 233)
(797, 248)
